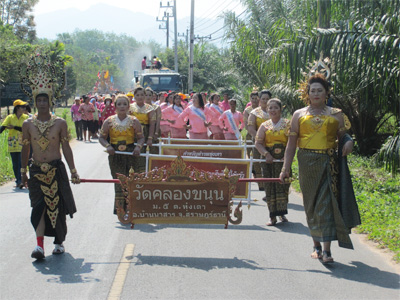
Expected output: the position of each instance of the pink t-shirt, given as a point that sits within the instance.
(237, 117)
(195, 120)
(225, 105)
(76, 115)
(87, 111)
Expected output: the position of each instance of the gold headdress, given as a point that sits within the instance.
(321, 66)
(43, 76)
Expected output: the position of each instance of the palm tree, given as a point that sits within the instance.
(363, 45)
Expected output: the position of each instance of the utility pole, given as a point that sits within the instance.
(175, 38)
(161, 27)
(190, 83)
(186, 36)
(167, 15)
(202, 38)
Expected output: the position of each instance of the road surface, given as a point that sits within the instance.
(105, 259)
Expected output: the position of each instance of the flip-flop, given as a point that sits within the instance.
(58, 249)
(272, 222)
(283, 219)
(318, 251)
(327, 257)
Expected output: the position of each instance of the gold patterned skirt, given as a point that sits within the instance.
(50, 192)
(277, 194)
(121, 164)
(318, 182)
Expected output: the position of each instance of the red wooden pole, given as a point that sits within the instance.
(240, 180)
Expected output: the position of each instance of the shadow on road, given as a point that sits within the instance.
(293, 227)
(153, 228)
(293, 206)
(201, 263)
(360, 272)
(66, 269)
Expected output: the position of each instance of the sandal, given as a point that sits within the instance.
(327, 257)
(283, 219)
(58, 249)
(38, 253)
(271, 222)
(317, 253)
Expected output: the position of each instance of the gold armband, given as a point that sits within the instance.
(25, 142)
(140, 146)
(150, 138)
(259, 139)
(283, 170)
(265, 153)
(293, 133)
(73, 171)
(107, 145)
(342, 129)
(64, 139)
(23, 170)
(250, 123)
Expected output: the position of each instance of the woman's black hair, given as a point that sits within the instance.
(16, 108)
(265, 92)
(201, 101)
(169, 94)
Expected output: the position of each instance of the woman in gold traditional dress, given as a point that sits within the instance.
(256, 118)
(314, 129)
(122, 130)
(147, 117)
(271, 140)
(148, 99)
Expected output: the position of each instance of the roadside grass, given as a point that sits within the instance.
(6, 170)
(378, 199)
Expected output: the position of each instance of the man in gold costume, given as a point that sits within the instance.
(49, 189)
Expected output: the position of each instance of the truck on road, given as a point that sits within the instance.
(158, 80)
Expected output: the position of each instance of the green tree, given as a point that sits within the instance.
(280, 39)
(16, 13)
(12, 51)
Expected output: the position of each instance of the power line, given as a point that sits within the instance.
(215, 14)
(212, 9)
(227, 24)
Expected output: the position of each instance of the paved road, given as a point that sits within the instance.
(246, 261)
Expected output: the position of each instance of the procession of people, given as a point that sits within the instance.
(129, 122)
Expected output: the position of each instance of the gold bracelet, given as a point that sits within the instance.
(108, 145)
(73, 171)
(265, 153)
(283, 170)
(23, 170)
(150, 138)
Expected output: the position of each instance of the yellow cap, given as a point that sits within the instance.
(130, 94)
(19, 102)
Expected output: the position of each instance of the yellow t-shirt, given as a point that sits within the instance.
(14, 135)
